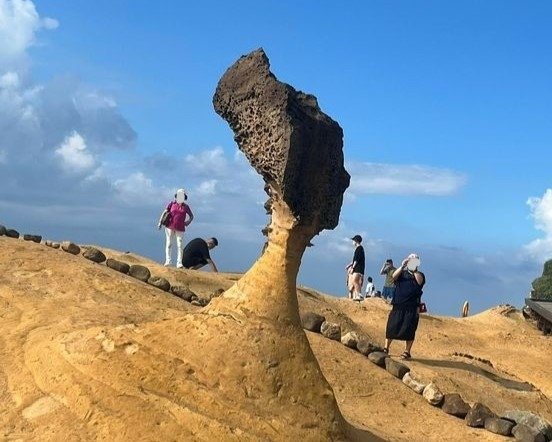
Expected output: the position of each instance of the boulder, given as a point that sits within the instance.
(70, 247)
(454, 404)
(94, 254)
(523, 433)
(477, 415)
(396, 368)
(139, 272)
(122, 267)
(531, 420)
(350, 339)
(413, 384)
(312, 321)
(499, 426)
(2, 230)
(48, 243)
(33, 238)
(433, 395)
(183, 292)
(56, 245)
(196, 303)
(331, 330)
(365, 346)
(378, 358)
(11, 233)
(160, 283)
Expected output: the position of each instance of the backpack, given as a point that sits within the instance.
(166, 216)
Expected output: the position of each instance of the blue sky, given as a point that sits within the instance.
(106, 109)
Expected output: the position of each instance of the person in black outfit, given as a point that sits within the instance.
(403, 319)
(196, 254)
(355, 270)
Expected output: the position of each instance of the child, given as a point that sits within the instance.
(370, 288)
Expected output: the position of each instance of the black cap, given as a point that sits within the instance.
(215, 241)
(357, 238)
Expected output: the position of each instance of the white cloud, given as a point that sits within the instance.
(139, 190)
(212, 162)
(396, 179)
(19, 23)
(541, 211)
(74, 155)
(207, 188)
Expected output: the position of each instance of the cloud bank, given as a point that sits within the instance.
(396, 179)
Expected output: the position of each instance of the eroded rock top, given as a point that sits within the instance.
(296, 147)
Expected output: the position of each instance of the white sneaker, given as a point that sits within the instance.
(167, 264)
(179, 266)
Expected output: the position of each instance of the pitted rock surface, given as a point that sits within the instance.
(286, 138)
(2, 230)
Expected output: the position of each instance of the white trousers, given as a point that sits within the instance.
(170, 234)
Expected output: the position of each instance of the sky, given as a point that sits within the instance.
(106, 109)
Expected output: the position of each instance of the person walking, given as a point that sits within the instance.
(389, 286)
(355, 270)
(403, 319)
(175, 218)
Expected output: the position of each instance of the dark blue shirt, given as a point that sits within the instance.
(407, 291)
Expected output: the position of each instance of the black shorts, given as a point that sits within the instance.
(194, 262)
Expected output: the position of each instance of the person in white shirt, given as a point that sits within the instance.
(370, 288)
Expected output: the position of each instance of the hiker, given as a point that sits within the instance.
(355, 270)
(404, 316)
(176, 217)
(389, 286)
(370, 288)
(196, 254)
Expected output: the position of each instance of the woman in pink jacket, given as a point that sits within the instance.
(179, 217)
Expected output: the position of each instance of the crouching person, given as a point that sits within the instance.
(196, 254)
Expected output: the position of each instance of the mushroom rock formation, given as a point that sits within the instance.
(297, 149)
